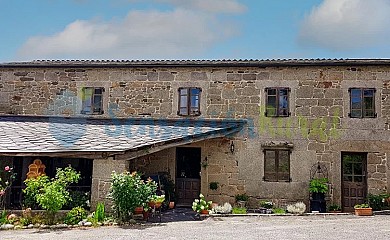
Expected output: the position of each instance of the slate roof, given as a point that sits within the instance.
(29, 134)
(77, 63)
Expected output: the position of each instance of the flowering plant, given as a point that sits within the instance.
(6, 178)
(201, 204)
(157, 199)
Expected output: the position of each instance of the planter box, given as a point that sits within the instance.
(363, 211)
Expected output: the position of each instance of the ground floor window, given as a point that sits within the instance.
(80, 192)
(277, 165)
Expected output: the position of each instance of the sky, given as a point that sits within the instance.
(193, 29)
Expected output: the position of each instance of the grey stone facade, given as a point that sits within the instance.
(319, 127)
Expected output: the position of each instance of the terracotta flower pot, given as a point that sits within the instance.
(363, 211)
(171, 205)
(154, 204)
(204, 211)
(139, 210)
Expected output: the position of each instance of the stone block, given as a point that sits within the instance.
(165, 76)
(381, 169)
(314, 146)
(152, 76)
(234, 77)
(319, 111)
(325, 102)
(304, 92)
(333, 93)
(263, 76)
(215, 169)
(199, 76)
(249, 76)
(307, 102)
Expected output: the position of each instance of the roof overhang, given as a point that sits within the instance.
(101, 138)
(195, 63)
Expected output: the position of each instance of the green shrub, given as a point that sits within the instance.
(75, 215)
(78, 199)
(318, 185)
(100, 212)
(52, 194)
(334, 207)
(239, 210)
(24, 221)
(3, 217)
(129, 191)
(278, 211)
(266, 204)
(214, 185)
(378, 202)
(241, 197)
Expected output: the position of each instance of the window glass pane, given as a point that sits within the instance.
(358, 168)
(195, 101)
(270, 165)
(183, 111)
(347, 178)
(369, 113)
(183, 101)
(98, 90)
(283, 91)
(283, 102)
(356, 92)
(356, 113)
(195, 91)
(97, 103)
(183, 91)
(368, 93)
(358, 179)
(284, 162)
(368, 103)
(271, 91)
(347, 168)
(356, 102)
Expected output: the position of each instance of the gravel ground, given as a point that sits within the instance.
(277, 227)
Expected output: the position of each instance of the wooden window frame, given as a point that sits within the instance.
(277, 177)
(93, 110)
(188, 108)
(362, 107)
(277, 110)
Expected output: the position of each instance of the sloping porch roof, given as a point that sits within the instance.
(55, 136)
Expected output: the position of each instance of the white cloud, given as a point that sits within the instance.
(180, 33)
(216, 6)
(347, 24)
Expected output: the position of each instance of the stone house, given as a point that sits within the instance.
(260, 127)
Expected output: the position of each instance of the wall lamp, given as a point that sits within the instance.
(232, 147)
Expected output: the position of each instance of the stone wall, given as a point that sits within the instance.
(319, 127)
(102, 169)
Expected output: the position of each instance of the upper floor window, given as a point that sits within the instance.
(277, 102)
(277, 165)
(189, 101)
(92, 100)
(362, 103)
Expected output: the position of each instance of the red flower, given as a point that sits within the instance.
(7, 168)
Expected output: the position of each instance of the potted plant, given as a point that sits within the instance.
(363, 210)
(266, 206)
(201, 205)
(318, 187)
(241, 199)
(156, 201)
(334, 208)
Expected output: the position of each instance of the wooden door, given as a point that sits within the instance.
(187, 175)
(188, 189)
(354, 183)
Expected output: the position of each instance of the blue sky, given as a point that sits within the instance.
(193, 29)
